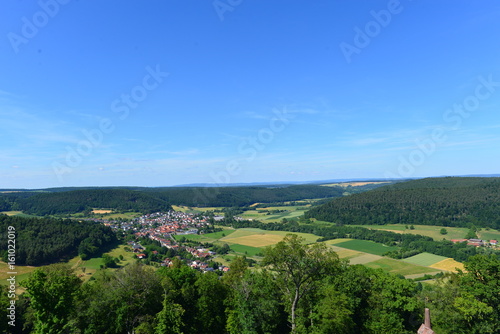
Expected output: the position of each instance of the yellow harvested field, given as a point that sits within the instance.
(448, 265)
(11, 213)
(256, 240)
(100, 211)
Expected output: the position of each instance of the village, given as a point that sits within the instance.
(161, 227)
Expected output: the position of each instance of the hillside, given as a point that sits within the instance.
(80, 200)
(47, 240)
(146, 200)
(242, 196)
(449, 201)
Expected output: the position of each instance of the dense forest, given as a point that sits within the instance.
(299, 289)
(242, 196)
(147, 200)
(449, 201)
(47, 240)
(80, 200)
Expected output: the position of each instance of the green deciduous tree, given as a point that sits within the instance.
(255, 306)
(52, 291)
(210, 308)
(169, 319)
(299, 269)
(119, 302)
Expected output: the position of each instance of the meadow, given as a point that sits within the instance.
(84, 269)
(489, 234)
(272, 214)
(245, 250)
(427, 230)
(366, 246)
(425, 259)
(209, 237)
(245, 232)
(196, 210)
(400, 267)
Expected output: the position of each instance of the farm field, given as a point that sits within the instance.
(244, 232)
(11, 213)
(16, 213)
(336, 241)
(344, 253)
(364, 258)
(108, 214)
(195, 210)
(424, 259)
(399, 267)
(267, 214)
(101, 211)
(405, 268)
(209, 237)
(366, 246)
(449, 265)
(257, 240)
(245, 250)
(489, 235)
(427, 230)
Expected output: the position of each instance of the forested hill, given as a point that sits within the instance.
(47, 240)
(146, 200)
(242, 196)
(80, 200)
(449, 201)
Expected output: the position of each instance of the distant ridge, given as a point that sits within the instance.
(249, 184)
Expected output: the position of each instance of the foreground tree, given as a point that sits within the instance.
(299, 269)
(121, 301)
(169, 319)
(52, 291)
(467, 302)
(255, 306)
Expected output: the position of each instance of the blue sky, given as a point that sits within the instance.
(159, 93)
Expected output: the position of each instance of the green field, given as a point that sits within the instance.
(366, 246)
(195, 209)
(427, 230)
(489, 235)
(425, 259)
(16, 213)
(245, 250)
(268, 214)
(209, 237)
(242, 232)
(399, 267)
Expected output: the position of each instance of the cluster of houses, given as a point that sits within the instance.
(161, 227)
(476, 242)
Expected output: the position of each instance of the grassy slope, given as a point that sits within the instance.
(366, 246)
(399, 267)
(425, 259)
(91, 266)
(434, 231)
